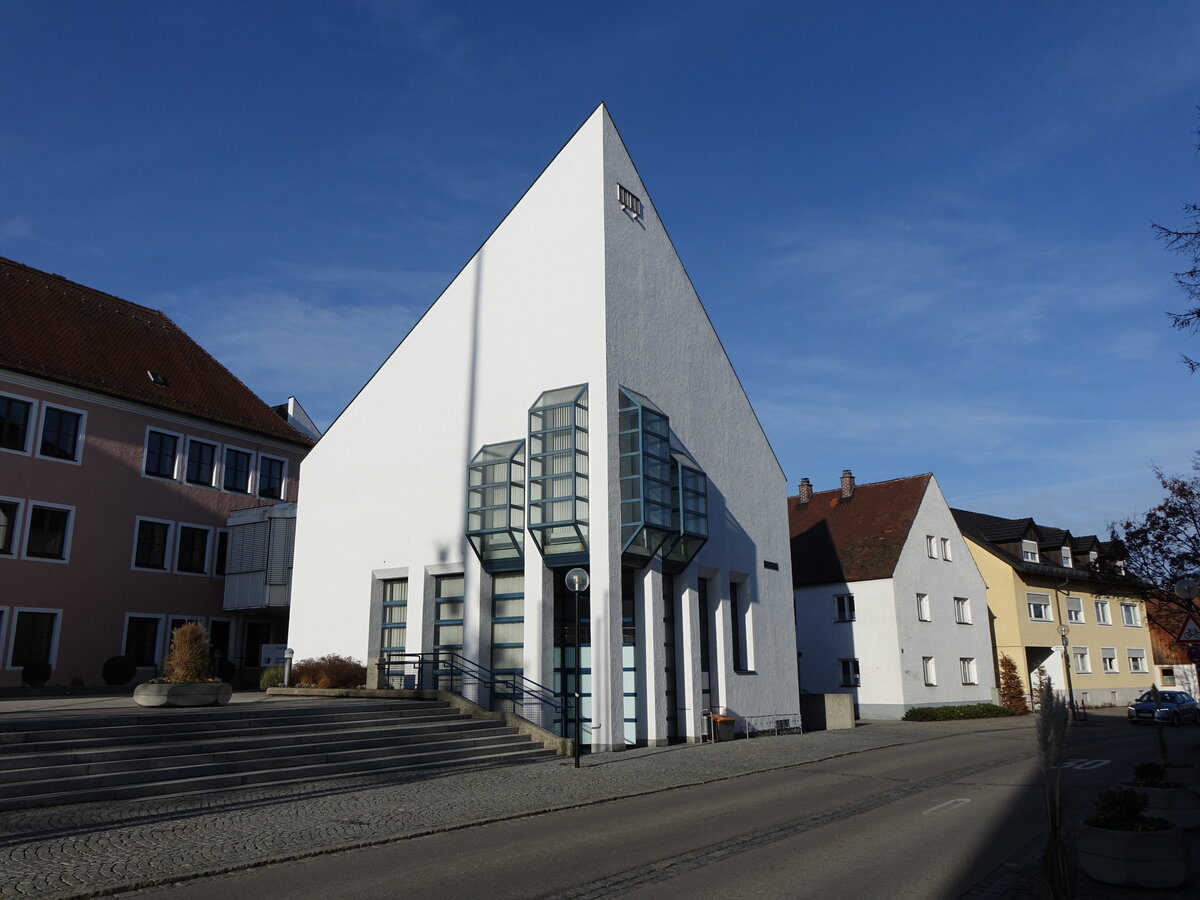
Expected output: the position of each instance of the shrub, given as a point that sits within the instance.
(188, 659)
(36, 674)
(1012, 694)
(272, 676)
(945, 713)
(1124, 809)
(329, 672)
(119, 670)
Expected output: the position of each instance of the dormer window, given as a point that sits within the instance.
(1029, 551)
(1066, 557)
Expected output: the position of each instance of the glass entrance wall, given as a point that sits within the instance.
(645, 466)
(496, 506)
(566, 638)
(558, 475)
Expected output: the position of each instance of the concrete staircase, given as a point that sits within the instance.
(55, 760)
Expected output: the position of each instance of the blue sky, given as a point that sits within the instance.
(921, 228)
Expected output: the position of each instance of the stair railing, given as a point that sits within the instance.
(446, 670)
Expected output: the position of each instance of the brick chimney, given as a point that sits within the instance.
(805, 491)
(847, 484)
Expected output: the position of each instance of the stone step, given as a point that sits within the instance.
(167, 727)
(113, 736)
(498, 755)
(158, 755)
(251, 766)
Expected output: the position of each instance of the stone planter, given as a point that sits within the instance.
(1148, 859)
(213, 693)
(1180, 805)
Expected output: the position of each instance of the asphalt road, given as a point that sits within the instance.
(928, 820)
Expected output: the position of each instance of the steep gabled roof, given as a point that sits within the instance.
(858, 538)
(74, 335)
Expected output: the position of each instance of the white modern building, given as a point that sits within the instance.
(565, 402)
(890, 606)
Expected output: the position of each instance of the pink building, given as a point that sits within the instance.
(124, 447)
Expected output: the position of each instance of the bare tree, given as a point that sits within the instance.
(1186, 241)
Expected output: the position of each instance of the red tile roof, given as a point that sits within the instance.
(854, 539)
(65, 332)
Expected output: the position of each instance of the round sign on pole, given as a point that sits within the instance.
(577, 580)
(1194, 654)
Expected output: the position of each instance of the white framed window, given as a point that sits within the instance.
(845, 607)
(143, 639)
(48, 529)
(1166, 675)
(1039, 608)
(924, 611)
(151, 544)
(741, 610)
(929, 670)
(10, 528)
(34, 637)
(1137, 660)
(946, 554)
(201, 468)
(1130, 614)
(60, 433)
(16, 421)
(192, 549)
(1081, 660)
(272, 474)
(1075, 610)
(1029, 551)
(850, 676)
(966, 670)
(1108, 660)
(237, 470)
(931, 546)
(161, 457)
(1066, 557)
(962, 610)
(1102, 613)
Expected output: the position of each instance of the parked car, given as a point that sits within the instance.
(1174, 707)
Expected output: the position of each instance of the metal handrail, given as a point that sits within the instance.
(494, 691)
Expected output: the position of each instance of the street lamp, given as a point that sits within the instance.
(577, 583)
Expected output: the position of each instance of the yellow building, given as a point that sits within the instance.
(1050, 611)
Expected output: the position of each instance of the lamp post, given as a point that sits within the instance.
(287, 666)
(577, 583)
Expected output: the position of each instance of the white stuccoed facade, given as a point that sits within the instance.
(570, 289)
(888, 637)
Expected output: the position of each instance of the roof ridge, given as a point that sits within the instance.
(68, 283)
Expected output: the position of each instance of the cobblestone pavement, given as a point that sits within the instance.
(104, 848)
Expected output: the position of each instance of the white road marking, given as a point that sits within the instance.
(947, 804)
(1083, 764)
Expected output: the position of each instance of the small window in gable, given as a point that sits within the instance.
(1029, 551)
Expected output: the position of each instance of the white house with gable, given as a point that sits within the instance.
(564, 403)
(890, 606)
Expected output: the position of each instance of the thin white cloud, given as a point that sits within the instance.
(287, 336)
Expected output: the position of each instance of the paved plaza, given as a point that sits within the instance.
(103, 848)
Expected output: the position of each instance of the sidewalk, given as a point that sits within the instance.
(95, 849)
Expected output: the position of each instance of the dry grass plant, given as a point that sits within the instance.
(189, 657)
(329, 672)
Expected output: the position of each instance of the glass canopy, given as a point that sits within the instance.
(689, 513)
(558, 475)
(645, 467)
(496, 506)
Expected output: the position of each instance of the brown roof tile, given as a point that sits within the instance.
(855, 539)
(65, 332)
